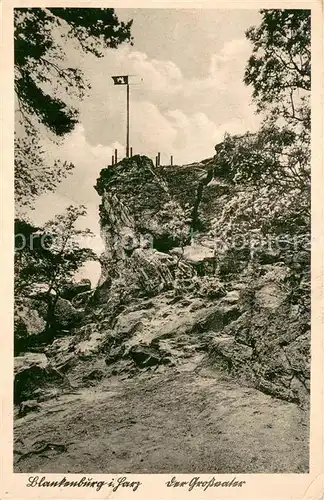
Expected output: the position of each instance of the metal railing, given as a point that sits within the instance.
(114, 158)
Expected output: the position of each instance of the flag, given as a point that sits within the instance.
(120, 80)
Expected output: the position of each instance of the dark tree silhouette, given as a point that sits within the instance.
(44, 81)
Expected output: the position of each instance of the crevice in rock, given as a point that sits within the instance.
(195, 223)
(165, 243)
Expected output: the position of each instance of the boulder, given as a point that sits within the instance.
(85, 331)
(72, 290)
(65, 315)
(41, 306)
(232, 356)
(270, 296)
(145, 356)
(88, 348)
(273, 389)
(299, 391)
(28, 321)
(232, 297)
(274, 365)
(195, 254)
(61, 353)
(218, 317)
(28, 407)
(30, 359)
(210, 287)
(129, 322)
(82, 299)
(93, 377)
(34, 373)
(271, 290)
(298, 354)
(115, 354)
(41, 291)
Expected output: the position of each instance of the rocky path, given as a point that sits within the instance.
(164, 421)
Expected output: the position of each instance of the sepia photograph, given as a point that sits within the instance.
(162, 242)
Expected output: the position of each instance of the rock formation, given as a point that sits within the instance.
(165, 298)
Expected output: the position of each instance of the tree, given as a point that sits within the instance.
(279, 68)
(30, 251)
(51, 257)
(67, 255)
(44, 82)
(274, 156)
(270, 169)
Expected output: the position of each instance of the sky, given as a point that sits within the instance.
(186, 91)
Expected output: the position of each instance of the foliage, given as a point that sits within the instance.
(268, 219)
(49, 260)
(29, 252)
(279, 68)
(32, 175)
(275, 156)
(54, 256)
(46, 260)
(263, 223)
(44, 83)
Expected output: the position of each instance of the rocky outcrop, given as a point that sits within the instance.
(269, 343)
(158, 227)
(166, 299)
(147, 225)
(140, 222)
(36, 378)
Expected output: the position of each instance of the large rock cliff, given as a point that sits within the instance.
(165, 292)
(168, 296)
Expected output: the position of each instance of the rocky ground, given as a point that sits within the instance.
(165, 420)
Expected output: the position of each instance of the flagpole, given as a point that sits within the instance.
(127, 128)
(124, 80)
